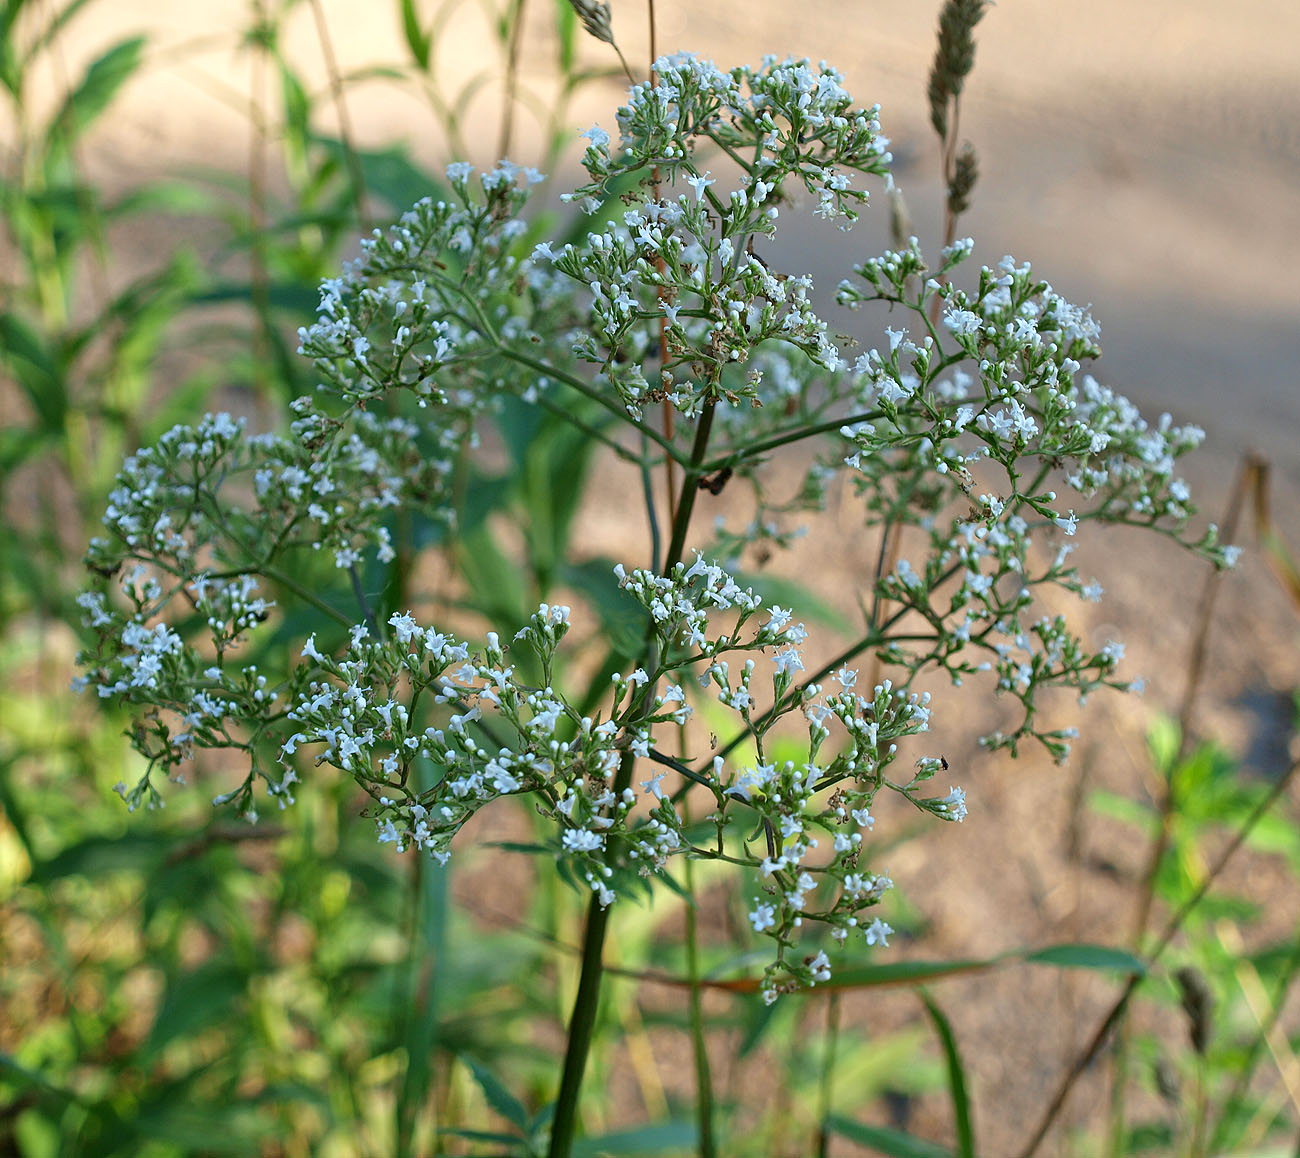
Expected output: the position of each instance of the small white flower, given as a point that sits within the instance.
(877, 932)
(953, 806)
(699, 184)
(788, 660)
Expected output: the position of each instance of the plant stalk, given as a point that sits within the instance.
(582, 1021)
(706, 1144)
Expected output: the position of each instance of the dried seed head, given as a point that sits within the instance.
(594, 15)
(1198, 1004)
(963, 180)
(954, 57)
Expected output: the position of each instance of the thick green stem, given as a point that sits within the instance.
(690, 486)
(582, 1022)
(706, 1144)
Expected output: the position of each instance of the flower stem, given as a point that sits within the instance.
(582, 1022)
(706, 1145)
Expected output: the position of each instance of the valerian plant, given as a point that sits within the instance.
(974, 441)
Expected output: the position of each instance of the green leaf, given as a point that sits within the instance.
(483, 496)
(622, 619)
(884, 1140)
(758, 1019)
(1099, 957)
(106, 74)
(217, 1128)
(519, 424)
(498, 1096)
(956, 1079)
(36, 371)
(521, 847)
(15, 1072)
(196, 1000)
(17, 445)
(15, 812)
(1061, 956)
(97, 855)
(1162, 743)
(653, 1139)
(297, 112)
(552, 483)
(496, 588)
(566, 35)
(417, 40)
(178, 197)
(389, 174)
(15, 57)
(1122, 808)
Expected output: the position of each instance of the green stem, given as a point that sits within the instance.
(582, 1021)
(784, 438)
(278, 576)
(706, 1144)
(591, 431)
(825, 1086)
(576, 383)
(690, 488)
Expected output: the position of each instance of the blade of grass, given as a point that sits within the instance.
(961, 1111)
(884, 1140)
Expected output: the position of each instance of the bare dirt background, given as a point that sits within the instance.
(1146, 158)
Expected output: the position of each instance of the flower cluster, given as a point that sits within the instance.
(686, 264)
(975, 444)
(795, 120)
(197, 527)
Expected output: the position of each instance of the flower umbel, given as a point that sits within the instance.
(254, 591)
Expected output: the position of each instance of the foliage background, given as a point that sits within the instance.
(176, 985)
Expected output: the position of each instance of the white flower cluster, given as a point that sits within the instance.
(688, 260)
(367, 708)
(796, 119)
(430, 302)
(717, 304)
(979, 446)
(806, 877)
(197, 527)
(222, 550)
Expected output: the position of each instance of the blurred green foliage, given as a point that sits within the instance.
(1235, 963)
(175, 985)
